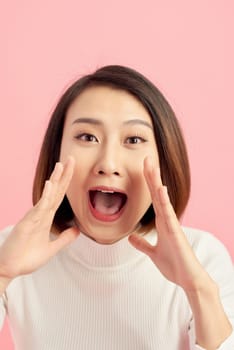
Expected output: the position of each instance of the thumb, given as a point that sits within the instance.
(65, 238)
(141, 244)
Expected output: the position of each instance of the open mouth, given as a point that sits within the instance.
(107, 204)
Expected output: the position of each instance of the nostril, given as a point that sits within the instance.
(101, 172)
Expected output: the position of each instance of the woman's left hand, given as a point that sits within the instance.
(172, 253)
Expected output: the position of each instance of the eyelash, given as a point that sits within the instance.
(141, 139)
(86, 137)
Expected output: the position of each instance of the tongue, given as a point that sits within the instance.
(107, 203)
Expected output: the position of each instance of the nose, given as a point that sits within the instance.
(108, 163)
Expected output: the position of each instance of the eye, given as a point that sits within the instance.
(86, 137)
(135, 140)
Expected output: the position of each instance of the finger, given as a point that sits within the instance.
(160, 198)
(55, 188)
(60, 180)
(35, 214)
(49, 188)
(45, 197)
(57, 172)
(68, 171)
(154, 182)
(141, 244)
(167, 211)
(152, 171)
(60, 186)
(43, 212)
(165, 203)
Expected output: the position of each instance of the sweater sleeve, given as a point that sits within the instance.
(215, 258)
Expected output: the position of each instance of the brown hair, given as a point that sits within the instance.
(172, 152)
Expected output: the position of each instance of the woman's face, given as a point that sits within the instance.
(109, 133)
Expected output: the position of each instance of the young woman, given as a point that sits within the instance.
(101, 260)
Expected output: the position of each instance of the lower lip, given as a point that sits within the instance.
(106, 218)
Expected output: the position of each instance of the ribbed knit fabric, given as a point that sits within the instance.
(110, 297)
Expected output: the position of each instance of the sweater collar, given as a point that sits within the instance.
(96, 255)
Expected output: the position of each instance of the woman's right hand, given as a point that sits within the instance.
(29, 245)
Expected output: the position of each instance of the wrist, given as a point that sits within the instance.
(203, 285)
(212, 326)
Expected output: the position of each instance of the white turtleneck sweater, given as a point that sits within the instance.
(110, 297)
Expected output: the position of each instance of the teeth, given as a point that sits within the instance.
(106, 191)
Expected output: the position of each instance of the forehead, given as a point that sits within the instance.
(103, 101)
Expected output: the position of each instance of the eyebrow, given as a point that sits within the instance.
(99, 122)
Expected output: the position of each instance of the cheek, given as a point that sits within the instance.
(75, 196)
(65, 151)
(77, 181)
(77, 188)
(69, 147)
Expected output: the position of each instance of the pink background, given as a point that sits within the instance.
(185, 47)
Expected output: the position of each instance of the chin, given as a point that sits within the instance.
(105, 240)
(105, 236)
(106, 232)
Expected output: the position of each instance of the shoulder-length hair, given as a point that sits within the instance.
(174, 165)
